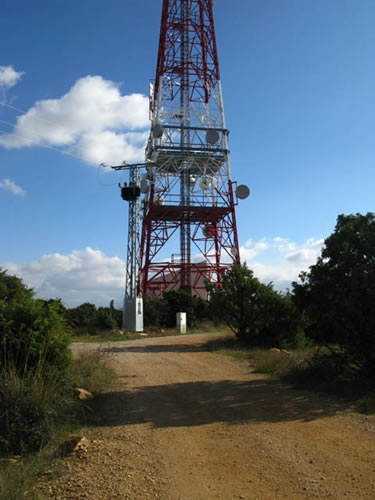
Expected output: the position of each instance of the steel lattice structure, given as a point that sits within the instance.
(189, 205)
(134, 233)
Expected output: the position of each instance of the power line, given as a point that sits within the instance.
(65, 153)
(2, 103)
(5, 104)
(23, 112)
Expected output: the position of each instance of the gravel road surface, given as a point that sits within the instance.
(185, 424)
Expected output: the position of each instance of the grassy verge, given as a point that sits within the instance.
(19, 476)
(38, 412)
(105, 337)
(209, 327)
(308, 368)
(110, 336)
(91, 371)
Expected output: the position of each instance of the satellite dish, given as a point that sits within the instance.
(204, 183)
(242, 192)
(145, 186)
(233, 251)
(157, 131)
(192, 181)
(159, 200)
(212, 136)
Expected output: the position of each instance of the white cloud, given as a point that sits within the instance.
(82, 276)
(93, 120)
(9, 77)
(284, 244)
(89, 276)
(251, 250)
(11, 186)
(110, 147)
(282, 259)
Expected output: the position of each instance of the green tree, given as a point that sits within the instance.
(82, 318)
(35, 367)
(255, 312)
(117, 316)
(176, 301)
(152, 311)
(103, 320)
(12, 289)
(338, 292)
(32, 331)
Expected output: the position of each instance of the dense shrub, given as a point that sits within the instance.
(117, 316)
(104, 320)
(32, 333)
(161, 311)
(35, 375)
(82, 318)
(256, 313)
(176, 301)
(32, 406)
(338, 292)
(152, 311)
(12, 289)
(87, 319)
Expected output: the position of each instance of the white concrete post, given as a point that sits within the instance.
(181, 322)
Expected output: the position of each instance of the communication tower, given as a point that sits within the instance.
(189, 232)
(186, 197)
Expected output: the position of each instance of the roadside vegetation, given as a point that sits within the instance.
(321, 335)
(88, 323)
(38, 381)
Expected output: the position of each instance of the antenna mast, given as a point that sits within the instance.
(132, 317)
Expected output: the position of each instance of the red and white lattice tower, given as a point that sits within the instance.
(189, 230)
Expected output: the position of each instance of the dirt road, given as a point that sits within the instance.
(185, 424)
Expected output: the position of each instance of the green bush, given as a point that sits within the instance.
(152, 311)
(32, 333)
(104, 321)
(35, 360)
(176, 301)
(87, 319)
(12, 288)
(338, 292)
(256, 313)
(161, 311)
(82, 319)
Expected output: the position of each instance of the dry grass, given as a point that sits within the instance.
(281, 363)
(309, 367)
(32, 407)
(18, 477)
(92, 371)
(37, 410)
(366, 404)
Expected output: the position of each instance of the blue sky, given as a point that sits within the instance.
(298, 81)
